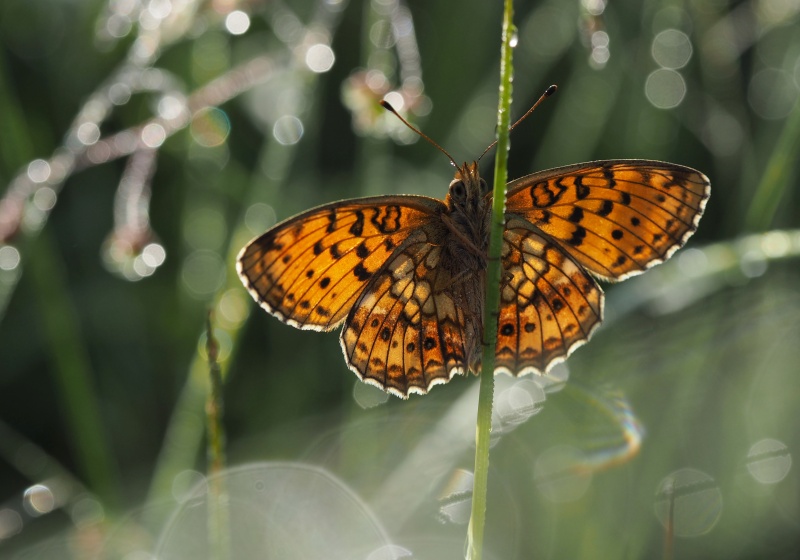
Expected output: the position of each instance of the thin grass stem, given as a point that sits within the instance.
(218, 514)
(477, 521)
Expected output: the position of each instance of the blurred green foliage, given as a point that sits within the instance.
(102, 379)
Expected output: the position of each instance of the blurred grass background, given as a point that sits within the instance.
(143, 143)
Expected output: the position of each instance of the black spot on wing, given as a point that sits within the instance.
(387, 220)
(581, 190)
(358, 226)
(361, 273)
(608, 175)
(331, 221)
(577, 236)
(576, 216)
(606, 208)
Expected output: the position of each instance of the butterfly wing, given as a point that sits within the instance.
(549, 305)
(413, 327)
(616, 218)
(310, 269)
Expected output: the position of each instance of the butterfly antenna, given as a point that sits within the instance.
(385, 105)
(547, 93)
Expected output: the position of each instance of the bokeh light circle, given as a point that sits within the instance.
(186, 484)
(10, 523)
(772, 93)
(288, 130)
(368, 396)
(210, 127)
(277, 511)
(672, 49)
(38, 171)
(9, 258)
(320, 58)
(44, 199)
(203, 273)
(519, 402)
(665, 88)
(690, 501)
(153, 135)
(237, 22)
(258, 217)
(88, 133)
(38, 500)
(769, 461)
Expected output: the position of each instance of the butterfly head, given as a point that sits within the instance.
(467, 190)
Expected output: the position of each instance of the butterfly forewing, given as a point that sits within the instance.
(309, 270)
(616, 218)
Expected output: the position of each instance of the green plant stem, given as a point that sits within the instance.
(492, 302)
(777, 176)
(214, 405)
(218, 514)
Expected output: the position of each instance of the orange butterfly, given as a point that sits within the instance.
(406, 274)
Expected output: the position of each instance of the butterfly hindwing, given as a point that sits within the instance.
(549, 305)
(408, 330)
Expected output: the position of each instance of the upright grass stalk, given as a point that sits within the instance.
(218, 519)
(492, 301)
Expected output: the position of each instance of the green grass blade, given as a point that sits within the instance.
(72, 372)
(776, 180)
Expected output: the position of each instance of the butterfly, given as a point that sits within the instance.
(405, 275)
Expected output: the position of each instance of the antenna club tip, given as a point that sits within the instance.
(551, 90)
(385, 104)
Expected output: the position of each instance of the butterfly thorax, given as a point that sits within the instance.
(467, 218)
